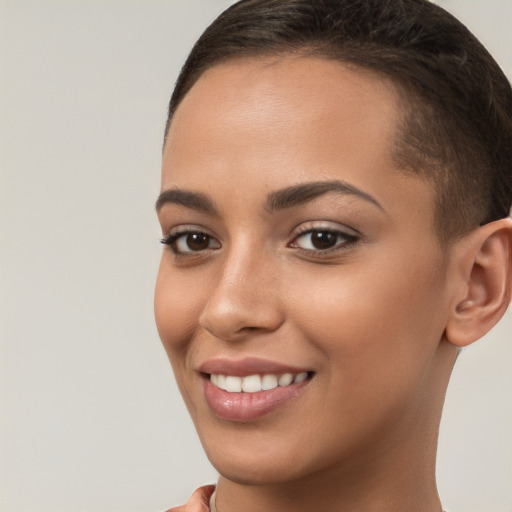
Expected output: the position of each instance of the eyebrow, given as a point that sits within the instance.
(187, 198)
(305, 192)
(278, 200)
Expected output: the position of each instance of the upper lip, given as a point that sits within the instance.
(247, 366)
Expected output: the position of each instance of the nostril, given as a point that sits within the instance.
(230, 315)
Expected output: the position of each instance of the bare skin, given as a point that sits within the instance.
(349, 284)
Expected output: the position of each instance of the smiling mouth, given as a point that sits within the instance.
(247, 389)
(246, 398)
(256, 383)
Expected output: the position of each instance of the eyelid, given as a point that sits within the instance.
(350, 235)
(325, 225)
(188, 228)
(180, 231)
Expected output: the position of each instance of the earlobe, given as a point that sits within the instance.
(485, 273)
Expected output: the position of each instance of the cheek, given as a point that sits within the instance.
(376, 338)
(364, 317)
(177, 308)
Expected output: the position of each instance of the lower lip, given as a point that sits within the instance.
(245, 407)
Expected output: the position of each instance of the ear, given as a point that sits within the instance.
(483, 271)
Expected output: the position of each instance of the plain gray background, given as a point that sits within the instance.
(91, 419)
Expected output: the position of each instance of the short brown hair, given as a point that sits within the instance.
(457, 122)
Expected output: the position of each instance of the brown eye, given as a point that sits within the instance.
(197, 241)
(318, 240)
(190, 242)
(324, 239)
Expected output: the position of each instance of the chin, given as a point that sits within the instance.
(251, 458)
(247, 471)
(249, 462)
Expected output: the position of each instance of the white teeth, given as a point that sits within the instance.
(268, 382)
(255, 383)
(233, 384)
(221, 381)
(251, 384)
(286, 379)
(301, 377)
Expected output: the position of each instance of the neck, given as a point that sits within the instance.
(405, 487)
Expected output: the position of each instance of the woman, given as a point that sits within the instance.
(336, 190)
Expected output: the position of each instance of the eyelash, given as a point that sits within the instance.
(349, 240)
(172, 241)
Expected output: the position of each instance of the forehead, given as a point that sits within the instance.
(259, 98)
(279, 121)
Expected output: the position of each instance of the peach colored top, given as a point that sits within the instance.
(201, 501)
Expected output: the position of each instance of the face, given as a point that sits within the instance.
(302, 290)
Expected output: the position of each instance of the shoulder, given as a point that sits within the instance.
(198, 502)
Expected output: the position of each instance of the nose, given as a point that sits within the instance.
(244, 299)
